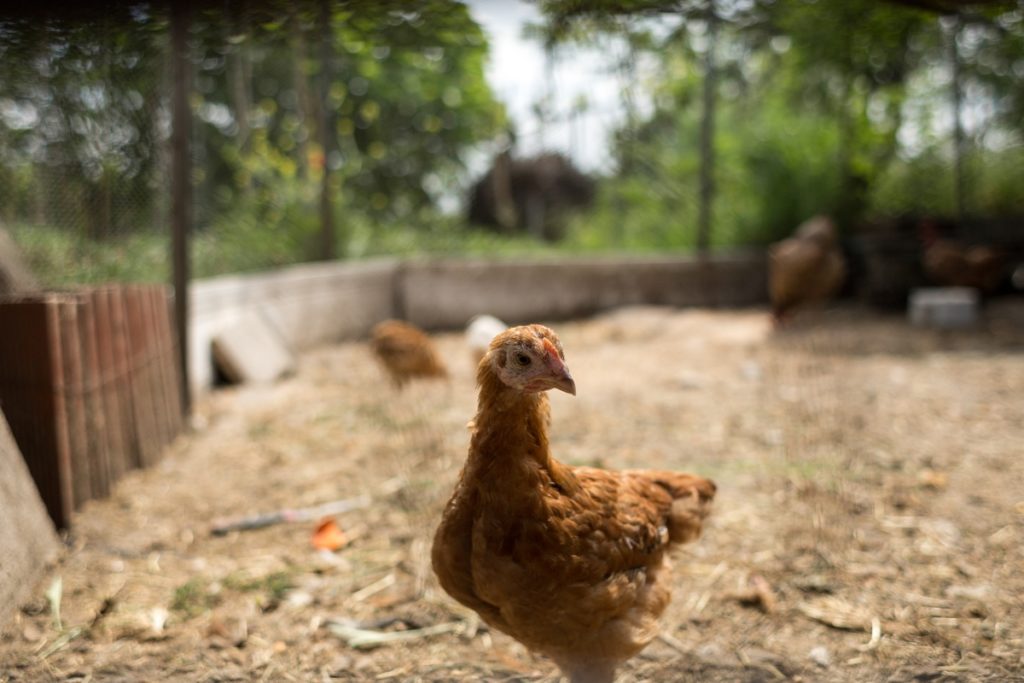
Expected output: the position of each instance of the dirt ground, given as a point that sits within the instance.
(868, 525)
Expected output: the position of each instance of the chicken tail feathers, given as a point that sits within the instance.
(692, 497)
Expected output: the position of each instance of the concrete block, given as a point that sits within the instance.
(944, 307)
(27, 536)
(306, 305)
(250, 351)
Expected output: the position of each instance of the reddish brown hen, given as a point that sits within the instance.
(406, 352)
(806, 269)
(571, 561)
(950, 263)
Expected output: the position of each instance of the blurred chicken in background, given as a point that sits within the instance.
(950, 263)
(805, 269)
(406, 352)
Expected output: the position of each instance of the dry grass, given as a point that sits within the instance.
(871, 486)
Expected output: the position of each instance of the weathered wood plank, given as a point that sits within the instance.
(31, 395)
(121, 377)
(107, 385)
(143, 406)
(101, 479)
(167, 354)
(75, 397)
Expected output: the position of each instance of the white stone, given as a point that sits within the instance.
(944, 307)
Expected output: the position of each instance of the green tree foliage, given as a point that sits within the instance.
(991, 46)
(408, 95)
(78, 144)
(84, 117)
(838, 106)
(816, 100)
(854, 59)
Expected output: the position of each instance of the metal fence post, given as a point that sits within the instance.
(181, 186)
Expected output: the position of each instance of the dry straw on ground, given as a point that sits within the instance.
(870, 477)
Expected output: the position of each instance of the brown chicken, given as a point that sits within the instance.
(805, 269)
(406, 352)
(570, 561)
(952, 264)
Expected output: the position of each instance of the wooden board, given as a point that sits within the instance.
(167, 350)
(107, 378)
(98, 453)
(32, 396)
(144, 408)
(75, 401)
(90, 388)
(120, 377)
(26, 533)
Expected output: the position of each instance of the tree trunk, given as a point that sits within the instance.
(304, 107)
(546, 108)
(844, 158)
(328, 136)
(959, 181)
(627, 155)
(707, 136)
(501, 188)
(240, 76)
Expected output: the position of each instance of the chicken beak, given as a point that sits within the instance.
(565, 382)
(560, 377)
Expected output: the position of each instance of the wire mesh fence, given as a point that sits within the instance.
(346, 129)
(83, 135)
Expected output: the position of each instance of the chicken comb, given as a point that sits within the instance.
(551, 349)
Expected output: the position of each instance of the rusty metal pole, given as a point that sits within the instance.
(181, 186)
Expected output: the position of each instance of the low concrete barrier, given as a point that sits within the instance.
(307, 305)
(314, 304)
(446, 294)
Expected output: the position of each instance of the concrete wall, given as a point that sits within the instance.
(315, 304)
(308, 305)
(445, 294)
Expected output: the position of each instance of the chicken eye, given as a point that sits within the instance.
(522, 359)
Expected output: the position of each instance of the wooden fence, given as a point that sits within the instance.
(89, 387)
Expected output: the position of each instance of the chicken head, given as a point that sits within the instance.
(530, 359)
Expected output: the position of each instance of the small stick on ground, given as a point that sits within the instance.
(289, 515)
